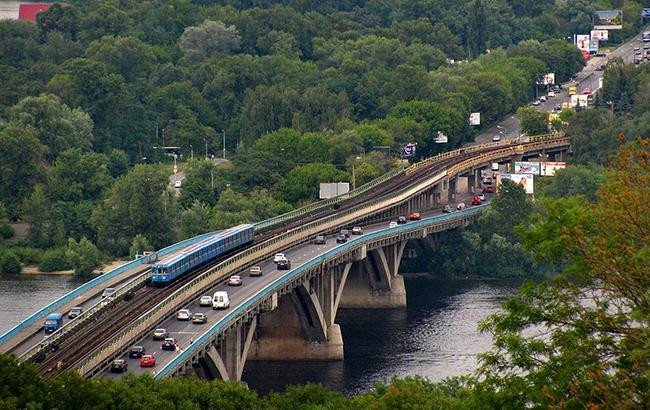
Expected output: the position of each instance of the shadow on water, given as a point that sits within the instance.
(435, 336)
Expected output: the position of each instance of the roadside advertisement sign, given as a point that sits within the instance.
(441, 138)
(608, 20)
(582, 41)
(525, 180)
(408, 150)
(524, 167)
(475, 118)
(600, 35)
(547, 79)
(332, 189)
(548, 169)
(579, 100)
(593, 45)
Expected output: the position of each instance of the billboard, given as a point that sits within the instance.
(600, 35)
(525, 180)
(408, 150)
(593, 45)
(524, 167)
(608, 20)
(548, 79)
(441, 138)
(548, 169)
(332, 189)
(475, 118)
(645, 13)
(582, 41)
(579, 100)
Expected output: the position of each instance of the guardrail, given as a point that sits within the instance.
(90, 284)
(258, 297)
(257, 252)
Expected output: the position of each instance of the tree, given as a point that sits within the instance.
(573, 180)
(477, 31)
(209, 39)
(54, 260)
(533, 122)
(118, 163)
(279, 43)
(35, 212)
(139, 245)
(127, 56)
(195, 220)
(9, 263)
(234, 208)
(83, 256)
(302, 183)
(59, 18)
(78, 176)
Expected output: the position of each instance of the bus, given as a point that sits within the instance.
(573, 90)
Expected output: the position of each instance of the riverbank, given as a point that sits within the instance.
(33, 269)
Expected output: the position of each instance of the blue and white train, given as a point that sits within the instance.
(178, 263)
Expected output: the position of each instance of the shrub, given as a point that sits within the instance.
(9, 263)
(28, 255)
(6, 231)
(54, 260)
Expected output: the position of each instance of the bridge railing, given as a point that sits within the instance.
(277, 284)
(41, 313)
(262, 250)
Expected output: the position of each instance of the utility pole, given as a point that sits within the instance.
(206, 149)
(192, 151)
(223, 132)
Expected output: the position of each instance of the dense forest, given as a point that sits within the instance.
(300, 91)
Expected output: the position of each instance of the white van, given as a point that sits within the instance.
(495, 166)
(220, 300)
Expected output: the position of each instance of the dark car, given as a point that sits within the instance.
(137, 351)
(284, 264)
(160, 334)
(320, 240)
(401, 220)
(119, 366)
(345, 232)
(169, 344)
(447, 209)
(341, 239)
(74, 312)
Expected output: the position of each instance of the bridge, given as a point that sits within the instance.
(283, 315)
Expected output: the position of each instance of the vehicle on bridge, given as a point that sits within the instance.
(415, 216)
(461, 206)
(357, 230)
(206, 300)
(476, 201)
(168, 344)
(234, 280)
(75, 311)
(160, 334)
(199, 318)
(489, 190)
(320, 240)
(447, 209)
(147, 361)
(286, 264)
(119, 366)
(53, 322)
(255, 271)
(179, 263)
(137, 352)
(393, 224)
(184, 314)
(339, 239)
(220, 300)
(278, 257)
(573, 90)
(401, 220)
(108, 292)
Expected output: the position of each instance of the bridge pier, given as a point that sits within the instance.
(225, 359)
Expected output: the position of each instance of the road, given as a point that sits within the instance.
(589, 77)
(184, 331)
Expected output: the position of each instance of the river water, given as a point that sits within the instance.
(435, 336)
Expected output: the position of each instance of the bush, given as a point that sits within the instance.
(9, 263)
(54, 260)
(6, 231)
(84, 256)
(28, 255)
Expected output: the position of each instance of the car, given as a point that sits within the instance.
(345, 232)
(401, 220)
(536, 102)
(184, 314)
(341, 239)
(178, 183)
(557, 89)
(278, 257)
(558, 107)
(601, 54)
(255, 271)
(284, 265)
(320, 240)
(393, 224)
(220, 300)
(119, 366)
(137, 352)
(542, 98)
(481, 197)
(476, 200)
(601, 67)
(108, 292)
(586, 91)
(487, 181)
(206, 300)
(199, 318)
(75, 311)
(415, 216)
(551, 94)
(234, 280)
(160, 334)
(461, 206)
(147, 361)
(636, 61)
(357, 230)
(496, 138)
(447, 209)
(169, 344)
(489, 190)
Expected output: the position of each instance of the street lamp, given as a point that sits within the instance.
(611, 105)
(206, 148)
(354, 175)
(191, 151)
(223, 133)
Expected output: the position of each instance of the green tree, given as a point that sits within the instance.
(199, 184)
(302, 183)
(118, 163)
(54, 260)
(533, 122)
(9, 263)
(35, 212)
(573, 180)
(209, 39)
(139, 245)
(477, 30)
(78, 176)
(83, 256)
(59, 18)
(234, 208)
(195, 220)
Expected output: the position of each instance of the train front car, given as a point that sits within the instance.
(183, 260)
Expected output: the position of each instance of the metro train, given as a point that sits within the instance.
(178, 263)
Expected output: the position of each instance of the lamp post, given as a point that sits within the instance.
(223, 133)
(206, 148)
(611, 105)
(354, 175)
(191, 151)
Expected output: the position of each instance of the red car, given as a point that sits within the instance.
(476, 201)
(587, 91)
(415, 216)
(147, 361)
(489, 190)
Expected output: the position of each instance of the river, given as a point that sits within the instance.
(434, 337)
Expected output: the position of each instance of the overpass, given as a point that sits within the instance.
(422, 186)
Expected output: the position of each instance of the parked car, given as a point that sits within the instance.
(119, 366)
(199, 318)
(160, 334)
(393, 224)
(447, 209)
(415, 216)
(178, 183)
(169, 344)
(489, 190)
(542, 98)
(496, 138)
(461, 206)
(284, 264)
(558, 108)
(341, 239)
(551, 93)
(278, 257)
(481, 197)
(234, 280)
(536, 102)
(476, 200)
(206, 300)
(137, 352)
(320, 240)
(75, 311)
(184, 314)
(401, 220)
(220, 300)
(345, 232)
(147, 361)
(255, 271)
(357, 230)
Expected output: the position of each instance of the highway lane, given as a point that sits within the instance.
(185, 332)
(589, 77)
